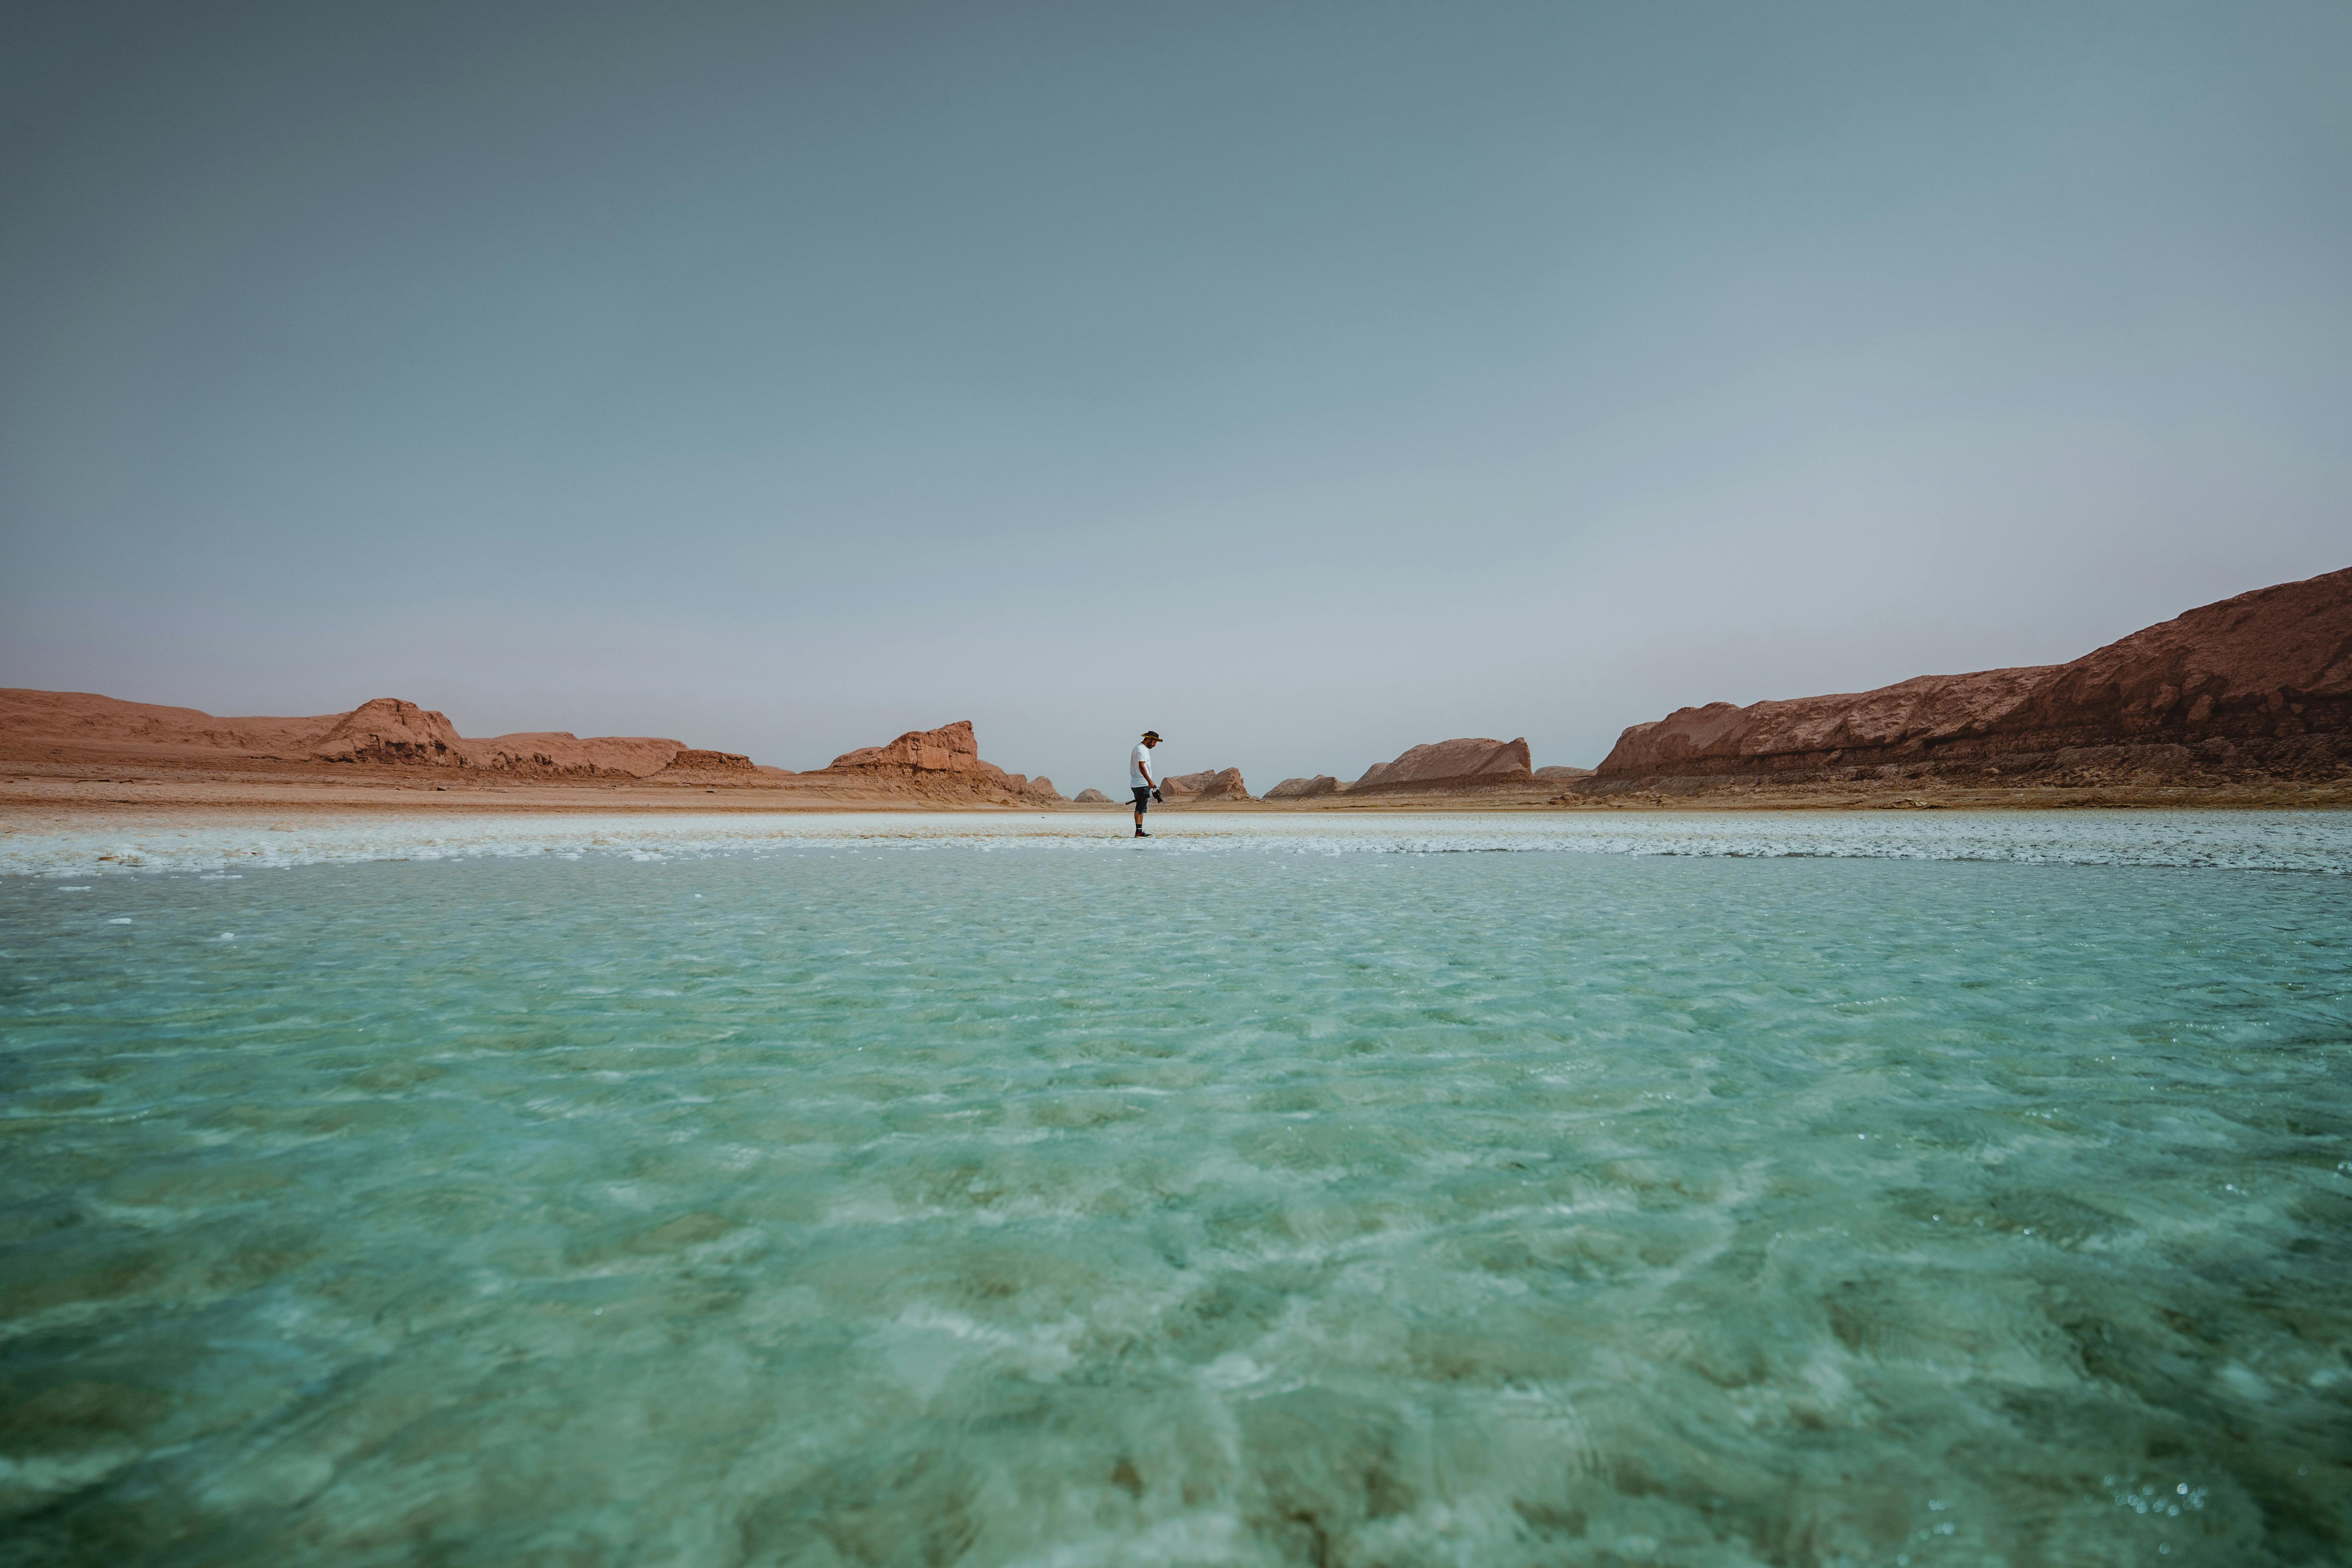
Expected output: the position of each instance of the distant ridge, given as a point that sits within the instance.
(384, 731)
(1447, 765)
(944, 762)
(2259, 685)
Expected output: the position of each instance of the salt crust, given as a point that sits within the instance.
(2314, 841)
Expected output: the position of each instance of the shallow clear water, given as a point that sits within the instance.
(831, 1205)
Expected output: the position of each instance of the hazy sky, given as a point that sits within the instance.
(1304, 381)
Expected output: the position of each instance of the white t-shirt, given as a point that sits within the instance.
(1136, 760)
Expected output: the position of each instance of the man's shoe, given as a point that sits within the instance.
(1141, 834)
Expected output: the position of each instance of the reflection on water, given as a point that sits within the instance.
(888, 1206)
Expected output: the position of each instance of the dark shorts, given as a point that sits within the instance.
(1142, 798)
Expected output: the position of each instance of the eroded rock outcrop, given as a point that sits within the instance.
(559, 754)
(1304, 789)
(387, 730)
(1563, 774)
(1040, 788)
(1214, 783)
(949, 749)
(2259, 685)
(943, 763)
(85, 720)
(1469, 763)
(713, 769)
(1090, 797)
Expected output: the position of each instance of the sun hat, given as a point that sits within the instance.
(1151, 734)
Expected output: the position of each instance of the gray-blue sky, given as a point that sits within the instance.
(1306, 380)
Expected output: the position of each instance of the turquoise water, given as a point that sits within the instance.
(834, 1205)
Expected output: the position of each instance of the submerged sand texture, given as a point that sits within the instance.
(2253, 689)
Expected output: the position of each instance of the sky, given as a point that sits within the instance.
(1304, 381)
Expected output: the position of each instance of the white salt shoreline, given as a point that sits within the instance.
(2312, 841)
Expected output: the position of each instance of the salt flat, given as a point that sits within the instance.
(64, 845)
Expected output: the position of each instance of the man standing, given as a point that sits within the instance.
(1139, 779)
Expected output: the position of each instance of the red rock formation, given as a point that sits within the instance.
(715, 769)
(713, 762)
(944, 763)
(559, 754)
(387, 730)
(1212, 784)
(1040, 788)
(1449, 766)
(84, 719)
(949, 749)
(2258, 683)
(1304, 789)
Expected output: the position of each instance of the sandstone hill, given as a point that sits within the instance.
(942, 764)
(75, 732)
(2253, 688)
(83, 719)
(387, 730)
(1214, 784)
(83, 727)
(1445, 767)
(1305, 788)
(1563, 772)
(1091, 797)
(559, 754)
(728, 769)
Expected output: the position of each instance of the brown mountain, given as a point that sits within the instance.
(943, 763)
(1445, 766)
(2256, 686)
(71, 726)
(1215, 783)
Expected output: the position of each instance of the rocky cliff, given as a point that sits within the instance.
(1214, 784)
(713, 769)
(1040, 788)
(79, 730)
(2255, 686)
(559, 754)
(388, 729)
(1304, 789)
(949, 749)
(944, 764)
(85, 718)
(384, 731)
(1445, 766)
